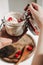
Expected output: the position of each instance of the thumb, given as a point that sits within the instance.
(35, 6)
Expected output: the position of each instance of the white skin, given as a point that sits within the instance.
(37, 14)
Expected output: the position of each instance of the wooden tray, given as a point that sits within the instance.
(16, 39)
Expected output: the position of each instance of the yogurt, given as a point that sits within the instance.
(12, 26)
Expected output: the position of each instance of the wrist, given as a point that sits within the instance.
(41, 30)
(41, 27)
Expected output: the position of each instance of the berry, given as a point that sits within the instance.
(19, 52)
(16, 55)
(29, 48)
(10, 19)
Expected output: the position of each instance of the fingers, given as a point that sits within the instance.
(35, 6)
(33, 11)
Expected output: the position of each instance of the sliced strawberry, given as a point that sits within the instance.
(29, 48)
(10, 19)
(19, 52)
(16, 55)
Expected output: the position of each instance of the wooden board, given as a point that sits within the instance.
(23, 39)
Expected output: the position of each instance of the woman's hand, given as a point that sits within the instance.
(37, 13)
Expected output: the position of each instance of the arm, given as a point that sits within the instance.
(38, 16)
(38, 58)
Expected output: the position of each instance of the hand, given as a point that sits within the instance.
(37, 13)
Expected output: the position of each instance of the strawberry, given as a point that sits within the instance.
(16, 55)
(19, 52)
(29, 48)
(10, 19)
